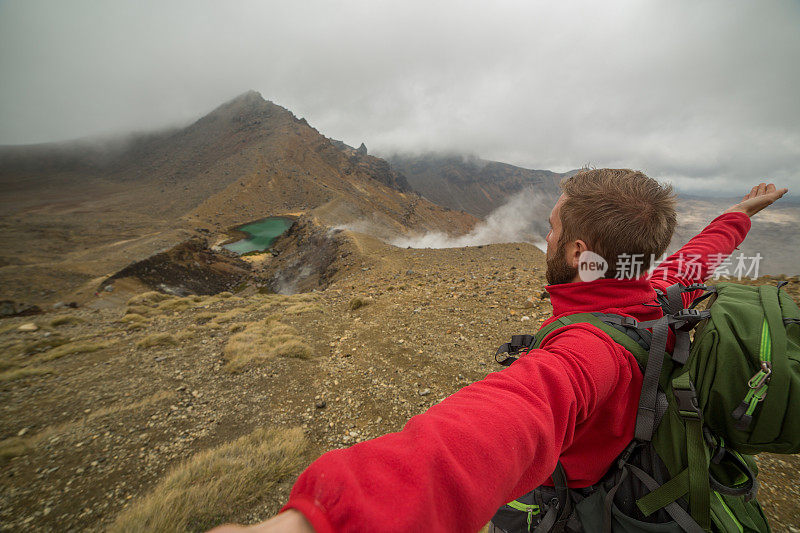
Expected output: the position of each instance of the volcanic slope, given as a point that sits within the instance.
(73, 213)
(471, 184)
(125, 419)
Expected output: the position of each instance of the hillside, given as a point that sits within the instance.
(77, 212)
(472, 184)
(102, 408)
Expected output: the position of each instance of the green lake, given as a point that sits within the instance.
(260, 234)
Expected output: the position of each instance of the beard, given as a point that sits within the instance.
(558, 271)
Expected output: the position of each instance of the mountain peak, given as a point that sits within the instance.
(247, 108)
(251, 96)
(246, 102)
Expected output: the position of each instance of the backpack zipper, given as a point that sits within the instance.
(758, 384)
(530, 509)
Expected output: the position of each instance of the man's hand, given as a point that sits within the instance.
(757, 199)
(289, 521)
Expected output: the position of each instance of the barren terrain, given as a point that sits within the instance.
(100, 405)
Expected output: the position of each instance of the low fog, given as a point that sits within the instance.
(522, 219)
(703, 94)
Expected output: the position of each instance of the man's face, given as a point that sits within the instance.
(558, 269)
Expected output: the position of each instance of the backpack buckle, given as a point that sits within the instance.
(695, 287)
(694, 315)
(687, 402)
(689, 318)
(520, 341)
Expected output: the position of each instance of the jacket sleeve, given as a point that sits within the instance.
(451, 467)
(698, 258)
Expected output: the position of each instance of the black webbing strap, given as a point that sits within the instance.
(562, 489)
(682, 319)
(681, 517)
(549, 520)
(561, 511)
(680, 353)
(748, 489)
(646, 414)
(629, 326)
(662, 404)
(518, 342)
(609, 501)
(675, 297)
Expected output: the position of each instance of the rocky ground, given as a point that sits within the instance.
(125, 392)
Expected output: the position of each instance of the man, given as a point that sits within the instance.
(574, 399)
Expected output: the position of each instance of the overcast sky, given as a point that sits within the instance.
(703, 93)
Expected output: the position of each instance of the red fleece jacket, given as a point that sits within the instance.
(451, 467)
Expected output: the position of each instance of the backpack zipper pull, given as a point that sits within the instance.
(762, 376)
(758, 385)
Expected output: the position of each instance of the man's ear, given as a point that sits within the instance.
(574, 252)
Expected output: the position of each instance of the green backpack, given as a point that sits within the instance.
(704, 409)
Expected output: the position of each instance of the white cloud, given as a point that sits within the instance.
(682, 89)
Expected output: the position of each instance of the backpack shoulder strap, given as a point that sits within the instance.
(621, 329)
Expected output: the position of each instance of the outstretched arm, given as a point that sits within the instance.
(696, 260)
(450, 468)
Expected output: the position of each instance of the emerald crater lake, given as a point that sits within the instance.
(260, 234)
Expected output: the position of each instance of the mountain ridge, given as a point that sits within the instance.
(75, 212)
(469, 183)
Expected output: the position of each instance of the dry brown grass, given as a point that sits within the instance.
(71, 349)
(140, 310)
(17, 373)
(293, 348)
(134, 317)
(66, 320)
(8, 327)
(302, 297)
(149, 299)
(218, 485)
(121, 407)
(139, 322)
(157, 339)
(302, 307)
(260, 341)
(359, 302)
(154, 303)
(177, 304)
(15, 353)
(238, 326)
(14, 446)
(185, 334)
(276, 329)
(135, 322)
(227, 316)
(202, 318)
